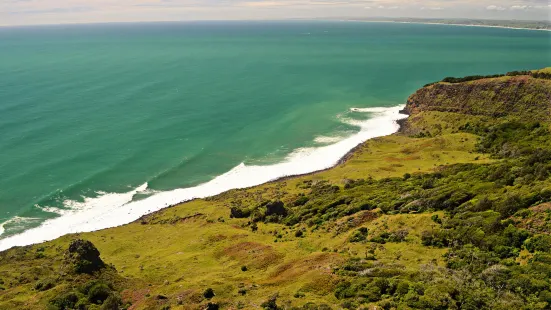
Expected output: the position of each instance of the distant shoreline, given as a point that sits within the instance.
(444, 24)
(342, 19)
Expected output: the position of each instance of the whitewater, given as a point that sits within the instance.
(115, 209)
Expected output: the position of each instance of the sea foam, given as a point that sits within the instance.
(327, 139)
(114, 209)
(18, 221)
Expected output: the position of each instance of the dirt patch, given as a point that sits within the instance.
(354, 221)
(136, 297)
(537, 220)
(393, 159)
(216, 238)
(317, 264)
(189, 296)
(252, 254)
(238, 236)
(190, 217)
(321, 284)
(159, 218)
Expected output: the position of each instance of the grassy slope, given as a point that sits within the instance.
(180, 251)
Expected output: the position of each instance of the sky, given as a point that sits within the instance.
(32, 12)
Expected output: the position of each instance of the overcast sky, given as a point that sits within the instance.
(28, 12)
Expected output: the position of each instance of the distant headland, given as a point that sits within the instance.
(512, 24)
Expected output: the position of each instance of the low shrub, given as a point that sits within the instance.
(44, 284)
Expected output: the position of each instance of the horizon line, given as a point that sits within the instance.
(339, 18)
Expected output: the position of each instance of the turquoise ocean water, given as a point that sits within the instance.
(88, 110)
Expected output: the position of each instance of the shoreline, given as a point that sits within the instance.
(441, 24)
(118, 209)
(270, 20)
(341, 161)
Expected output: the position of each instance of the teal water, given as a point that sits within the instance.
(93, 109)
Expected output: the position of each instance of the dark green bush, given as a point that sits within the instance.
(470, 78)
(276, 208)
(271, 303)
(359, 235)
(65, 301)
(98, 293)
(238, 213)
(212, 306)
(44, 284)
(435, 218)
(540, 243)
(112, 302)
(300, 201)
(208, 293)
(84, 256)
(402, 288)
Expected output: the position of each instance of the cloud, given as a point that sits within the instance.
(23, 12)
(303, 3)
(529, 7)
(495, 8)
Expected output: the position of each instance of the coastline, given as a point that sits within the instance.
(94, 216)
(126, 198)
(341, 161)
(442, 24)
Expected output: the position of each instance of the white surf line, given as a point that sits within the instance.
(115, 209)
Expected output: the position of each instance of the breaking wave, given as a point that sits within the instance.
(114, 209)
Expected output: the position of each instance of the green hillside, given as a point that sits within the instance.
(452, 212)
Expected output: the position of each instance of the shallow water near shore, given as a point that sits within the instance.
(104, 123)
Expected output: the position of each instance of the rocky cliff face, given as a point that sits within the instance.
(523, 96)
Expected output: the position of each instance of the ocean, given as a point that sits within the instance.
(100, 124)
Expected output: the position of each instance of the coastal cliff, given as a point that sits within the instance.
(452, 212)
(521, 96)
(518, 95)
